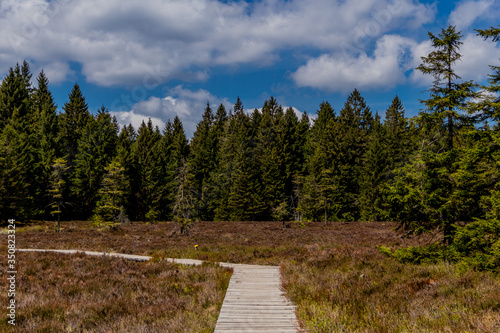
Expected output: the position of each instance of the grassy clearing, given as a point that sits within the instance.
(68, 293)
(334, 273)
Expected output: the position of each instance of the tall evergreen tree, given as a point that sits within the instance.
(354, 125)
(489, 106)
(57, 190)
(269, 160)
(184, 198)
(147, 171)
(96, 149)
(15, 94)
(113, 191)
(374, 174)
(398, 134)
(211, 190)
(46, 134)
(447, 102)
(443, 117)
(74, 120)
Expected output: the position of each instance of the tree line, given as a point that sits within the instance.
(430, 171)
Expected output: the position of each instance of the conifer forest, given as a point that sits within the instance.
(438, 170)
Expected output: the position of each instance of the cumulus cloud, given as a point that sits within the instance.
(188, 105)
(384, 69)
(477, 55)
(466, 12)
(393, 62)
(118, 42)
(130, 117)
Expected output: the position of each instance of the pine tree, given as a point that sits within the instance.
(315, 187)
(184, 198)
(397, 131)
(57, 190)
(269, 159)
(444, 116)
(113, 192)
(489, 105)
(448, 97)
(147, 171)
(46, 134)
(15, 94)
(20, 141)
(354, 125)
(235, 179)
(374, 174)
(74, 120)
(14, 183)
(211, 188)
(125, 157)
(96, 149)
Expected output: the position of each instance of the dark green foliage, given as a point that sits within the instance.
(113, 192)
(147, 171)
(374, 174)
(448, 97)
(58, 189)
(96, 149)
(74, 122)
(488, 106)
(435, 172)
(476, 246)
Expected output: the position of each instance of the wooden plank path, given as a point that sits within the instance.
(254, 301)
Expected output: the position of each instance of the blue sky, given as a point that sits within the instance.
(161, 58)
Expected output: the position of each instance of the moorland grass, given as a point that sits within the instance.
(334, 273)
(79, 293)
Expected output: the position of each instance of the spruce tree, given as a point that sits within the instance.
(314, 188)
(445, 114)
(15, 95)
(74, 120)
(46, 133)
(148, 171)
(211, 187)
(447, 102)
(20, 144)
(113, 192)
(397, 131)
(96, 149)
(354, 125)
(183, 208)
(57, 190)
(269, 159)
(124, 156)
(489, 105)
(374, 174)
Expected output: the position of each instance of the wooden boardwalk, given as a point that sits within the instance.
(254, 301)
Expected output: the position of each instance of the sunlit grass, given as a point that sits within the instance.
(65, 293)
(335, 273)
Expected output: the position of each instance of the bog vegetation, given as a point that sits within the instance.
(435, 171)
(78, 293)
(335, 275)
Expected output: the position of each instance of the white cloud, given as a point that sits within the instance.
(130, 117)
(477, 55)
(383, 70)
(466, 12)
(118, 42)
(188, 105)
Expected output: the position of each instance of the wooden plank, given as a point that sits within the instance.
(255, 302)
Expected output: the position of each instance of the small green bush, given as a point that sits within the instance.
(476, 245)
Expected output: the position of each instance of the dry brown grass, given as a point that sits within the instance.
(78, 293)
(335, 274)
